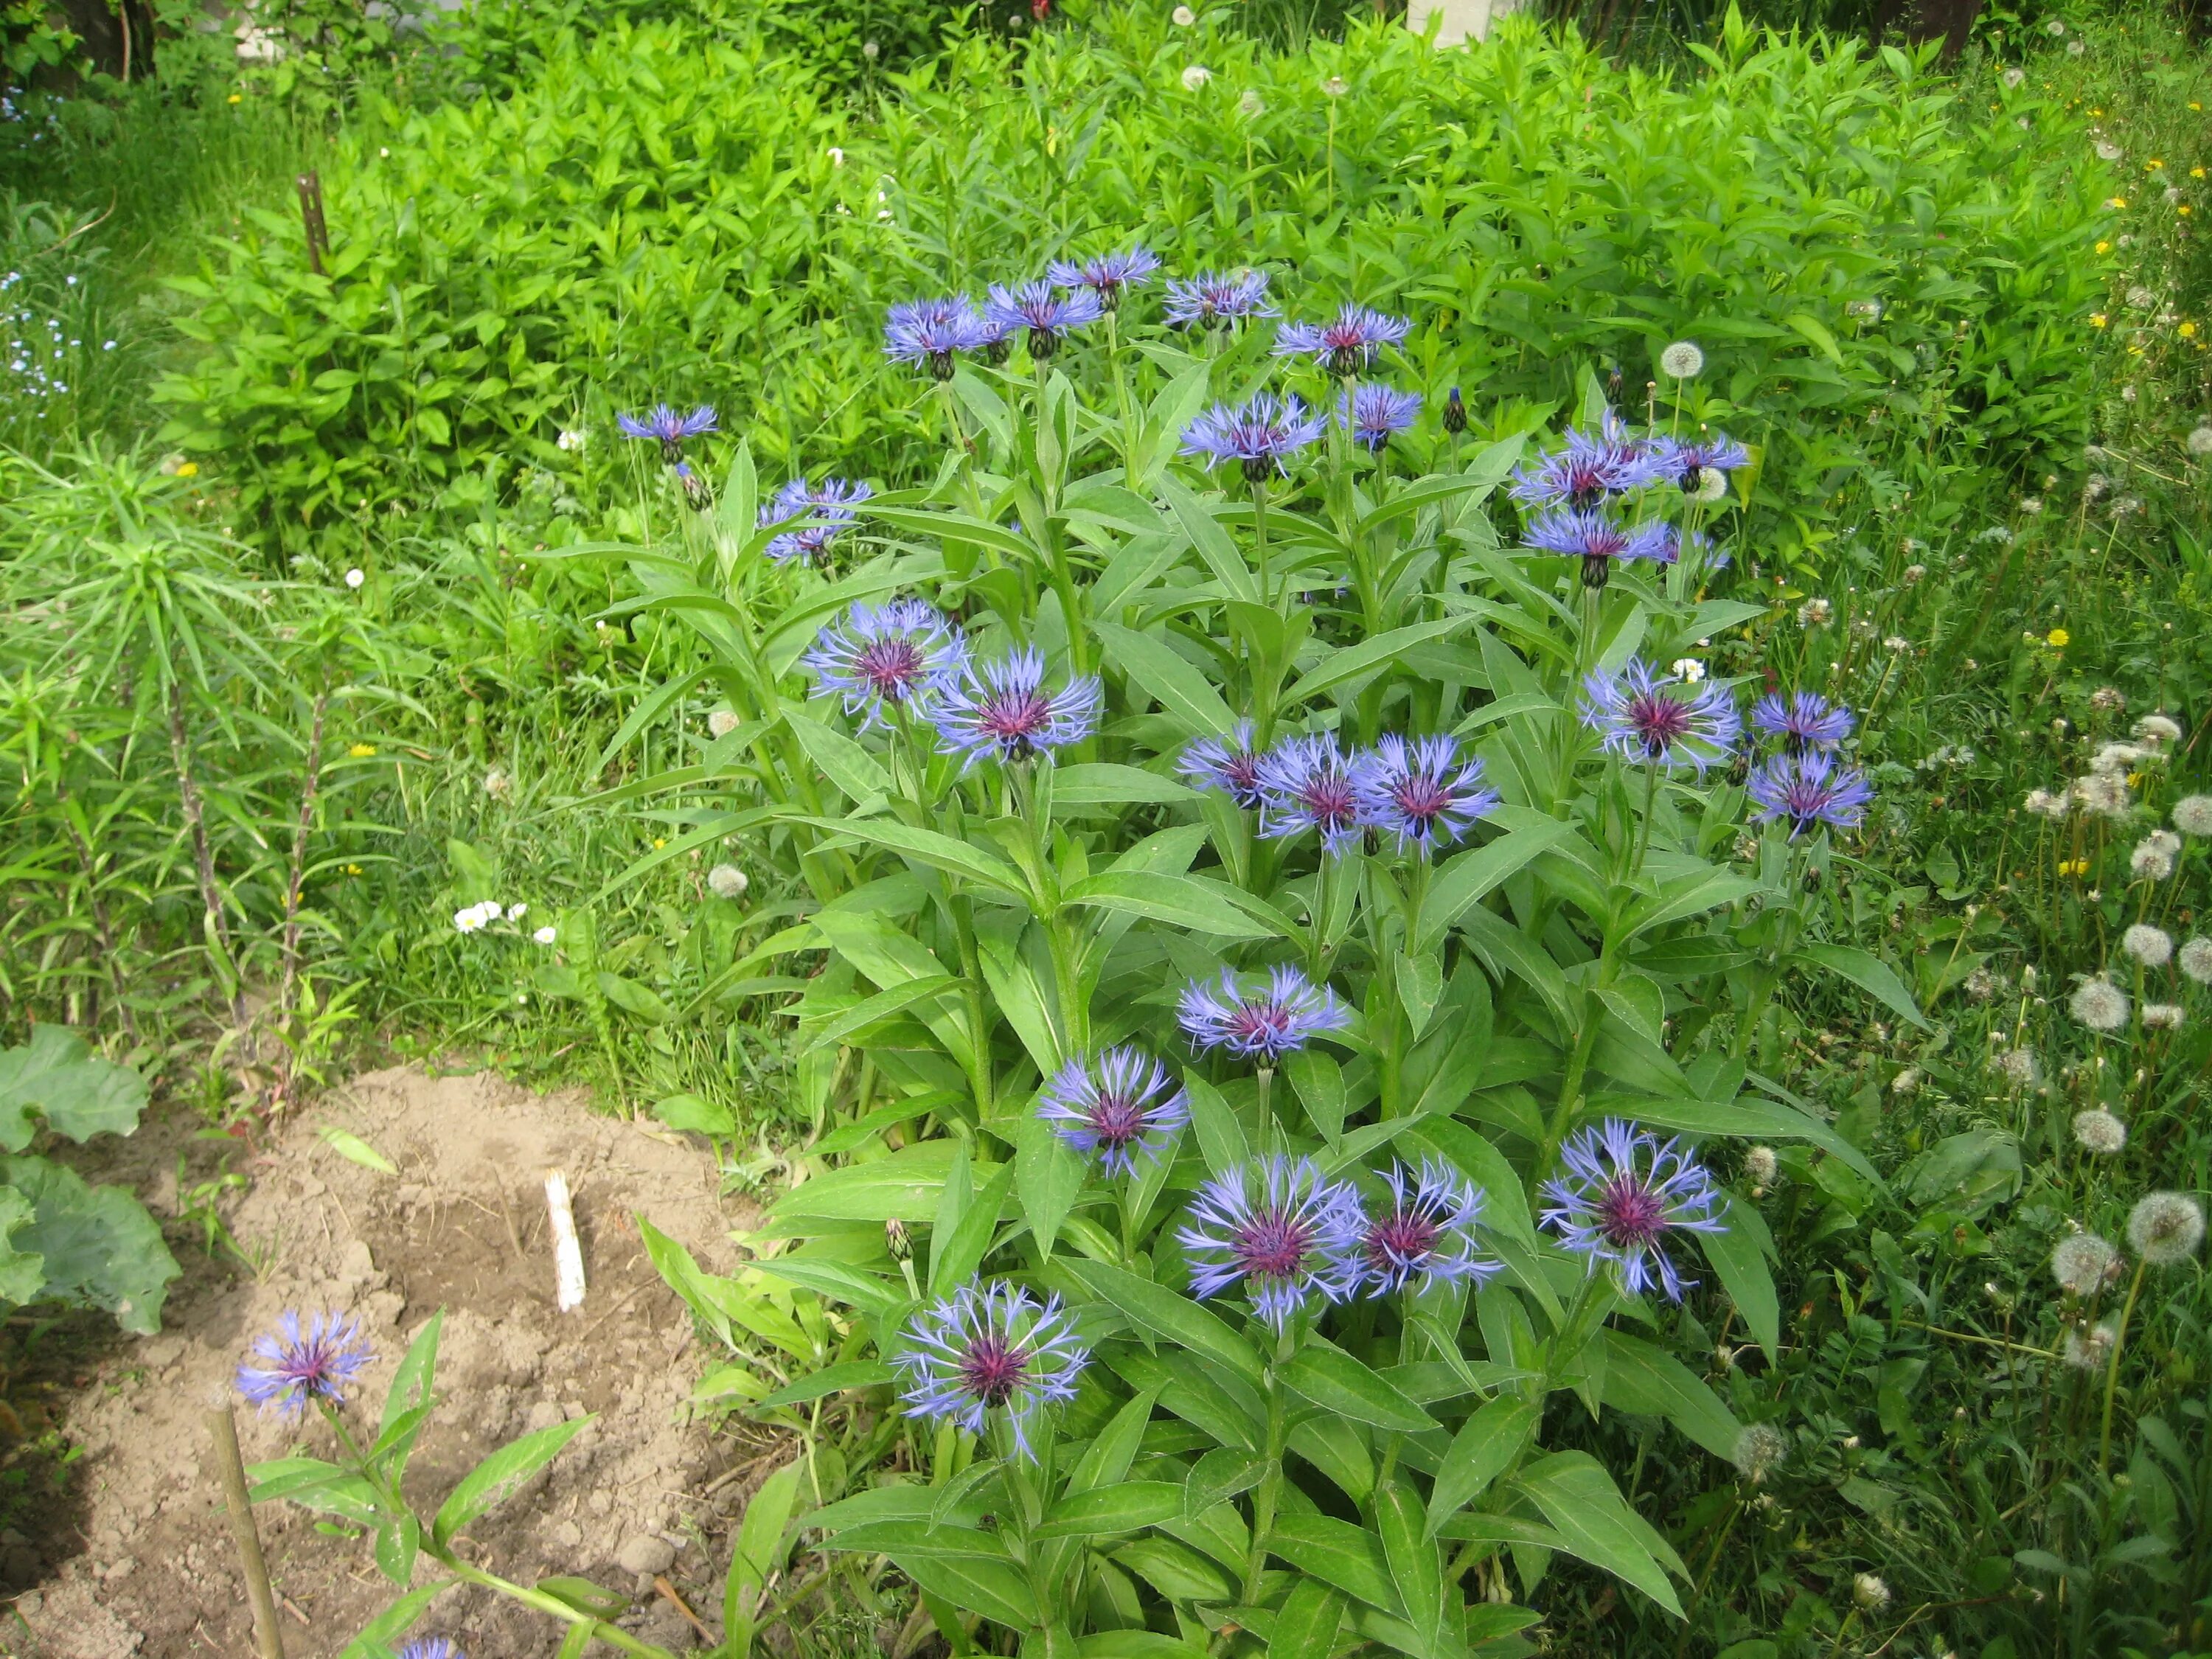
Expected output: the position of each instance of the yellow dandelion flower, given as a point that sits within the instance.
(189, 469)
(2098, 319)
(236, 99)
(659, 841)
(2196, 106)
(2104, 247)
(2187, 331)
(353, 869)
(362, 751)
(2117, 202)
(2058, 639)
(2197, 172)
(2153, 165)
(2183, 210)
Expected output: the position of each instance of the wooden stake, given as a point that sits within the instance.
(311, 218)
(230, 1470)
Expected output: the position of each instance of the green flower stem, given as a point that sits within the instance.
(2112, 1366)
(963, 911)
(1270, 1483)
(1260, 541)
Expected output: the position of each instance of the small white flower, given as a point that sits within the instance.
(516, 912)
(1196, 77)
(2098, 1131)
(727, 881)
(355, 577)
(722, 722)
(1815, 613)
(836, 156)
(1249, 105)
(2165, 1229)
(1183, 17)
(2200, 441)
(571, 440)
(546, 935)
(2083, 1263)
(2196, 961)
(476, 917)
(1869, 1592)
(1682, 360)
(1335, 86)
(1688, 670)
(2192, 815)
(2151, 946)
(2100, 1005)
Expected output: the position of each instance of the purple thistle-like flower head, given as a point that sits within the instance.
(986, 1349)
(1624, 1190)
(1421, 791)
(1660, 719)
(1046, 315)
(1120, 1106)
(1428, 1234)
(431, 1647)
(303, 1365)
(669, 427)
(1260, 433)
(1803, 720)
(1455, 415)
(1277, 1227)
(1002, 708)
(1686, 460)
(1590, 467)
(824, 510)
(1229, 764)
(889, 656)
(1109, 275)
(1597, 539)
(1306, 783)
(1809, 789)
(1346, 344)
(1262, 1025)
(929, 333)
(1371, 413)
(1217, 300)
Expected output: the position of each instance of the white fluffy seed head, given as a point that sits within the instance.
(2163, 1016)
(2165, 1229)
(2100, 1005)
(1815, 613)
(2045, 804)
(1758, 1450)
(2104, 793)
(1906, 1082)
(2083, 1263)
(2151, 862)
(498, 782)
(1196, 77)
(2151, 946)
(727, 881)
(722, 722)
(2019, 1069)
(1682, 360)
(2098, 1131)
(1869, 1592)
(1183, 17)
(2192, 815)
(2087, 1351)
(2156, 730)
(2116, 757)
(2200, 441)
(1760, 1163)
(2195, 960)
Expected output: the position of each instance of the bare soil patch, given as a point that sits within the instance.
(138, 1559)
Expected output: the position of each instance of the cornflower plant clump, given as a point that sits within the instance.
(1290, 977)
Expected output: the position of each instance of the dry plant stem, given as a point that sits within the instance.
(230, 1470)
(188, 792)
(309, 788)
(568, 1253)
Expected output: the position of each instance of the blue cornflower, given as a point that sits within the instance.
(1597, 539)
(990, 1349)
(671, 428)
(1421, 791)
(1802, 720)
(1002, 708)
(826, 510)
(1660, 719)
(1590, 467)
(1371, 413)
(1428, 1235)
(1260, 434)
(1624, 1190)
(1807, 790)
(314, 1364)
(1687, 460)
(1122, 1105)
(1346, 344)
(1045, 314)
(1305, 783)
(1265, 1024)
(431, 1647)
(890, 656)
(929, 331)
(1214, 301)
(1230, 764)
(1280, 1229)
(1108, 275)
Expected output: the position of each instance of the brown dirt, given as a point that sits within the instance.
(154, 1572)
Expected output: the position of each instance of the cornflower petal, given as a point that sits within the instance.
(1623, 1193)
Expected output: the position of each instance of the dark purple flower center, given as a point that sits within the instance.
(1422, 799)
(890, 667)
(1118, 1120)
(1659, 721)
(1272, 1245)
(1261, 1022)
(1630, 1213)
(1329, 799)
(1014, 719)
(1404, 1237)
(992, 1368)
(1242, 773)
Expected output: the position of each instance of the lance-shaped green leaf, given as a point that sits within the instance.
(1336, 1553)
(1460, 885)
(1168, 1315)
(1739, 1256)
(493, 1481)
(1580, 1500)
(1128, 1506)
(1160, 671)
(868, 1011)
(1484, 1449)
(1185, 901)
(843, 761)
(957, 858)
(1347, 664)
(1416, 1567)
(1641, 1377)
(1864, 969)
(832, 1379)
(1328, 1377)
(903, 1187)
(1307, 1624)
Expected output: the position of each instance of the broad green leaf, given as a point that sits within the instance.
(23, 1273)
(1157, 670)
(993, 1589)
(315, 1485)
(101, 1249)
(1641, 1377)
(397, 1543)
(80, 1095)
(1107, 1459)
(413, 1380)
(837, 1281)
(1135, 1644)
(1866, 970)
(352, 1148)
(1100, 785)
(1334, 1380)
(1220, 1136)
(1128, 1506)
(954, 1253)
(1186, 902)
(903, 1187)
(870, 1010)
(1307, 1624)
(1484, 1449)
(1171, 1317)
(1415, 1566)
(832, 1379)
(1336, 1553)
(1580, 1500)
(942, 852)
(1737, 1258)
(381, 1634)
(1747, 1117)
(1218, 1476)
(843, 761)
(1175, 1571)
(1460, 882)
(1349, 663)
(494, 1480)
(1318, 1082)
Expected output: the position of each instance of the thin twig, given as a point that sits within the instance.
(668, 1592)
(230, 1470)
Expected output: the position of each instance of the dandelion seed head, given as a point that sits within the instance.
(2165, 1229)
(1760, 1450)
(2100, 1005)
(2098, 1131)
(2192, 815)
(1682, 360)
(2083, 1263)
